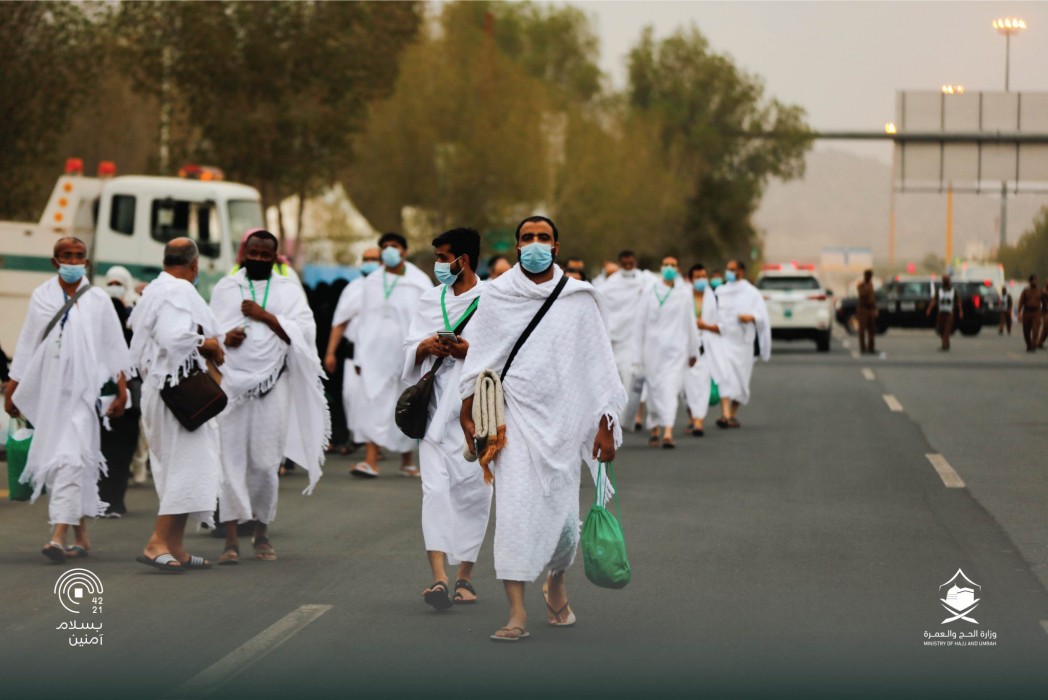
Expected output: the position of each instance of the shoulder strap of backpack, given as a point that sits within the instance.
(64, 310)
(534, 322)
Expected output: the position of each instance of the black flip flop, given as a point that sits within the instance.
(722, 423)
(466, 585)
(734, 424)
(76, 552)
(438, 597)
(196, 562)
(165, 565)
(668, 444)
(697, 432)
(54, 552)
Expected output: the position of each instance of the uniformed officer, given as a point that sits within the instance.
(866, 313)
(1030, 303)
(1007, 307)
(948, 303)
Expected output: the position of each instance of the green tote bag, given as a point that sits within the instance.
(714, 393)
(603, 547)
(19, 438)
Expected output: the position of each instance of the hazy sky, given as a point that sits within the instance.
(844, 61)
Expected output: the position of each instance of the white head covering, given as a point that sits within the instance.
(119, 273)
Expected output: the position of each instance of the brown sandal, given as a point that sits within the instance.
(263, 549)
(229, 556)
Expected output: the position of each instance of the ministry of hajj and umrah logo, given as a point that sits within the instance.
(959, 596)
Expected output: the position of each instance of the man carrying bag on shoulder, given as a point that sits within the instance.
(562, 396)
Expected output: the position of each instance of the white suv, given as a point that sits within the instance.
(798, 305)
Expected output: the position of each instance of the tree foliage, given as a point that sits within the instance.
(1029, 255)
(47, 67)
(713, 116)
(273, 90)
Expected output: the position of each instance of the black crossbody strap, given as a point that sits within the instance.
(534, 322)
(458, 330)
(64, 310)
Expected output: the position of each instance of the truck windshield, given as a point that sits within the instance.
(244, 214)
(786, 284)
(175, 218)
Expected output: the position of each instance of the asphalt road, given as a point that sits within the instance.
(799, 556)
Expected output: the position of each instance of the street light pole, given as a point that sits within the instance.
(1006, 26)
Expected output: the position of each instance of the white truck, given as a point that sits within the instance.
(124, 221)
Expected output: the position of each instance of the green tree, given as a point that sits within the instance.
(714, 117)
(274, 91)
(556, 44)
(462, 137)
(1029, 255)
(48, 67)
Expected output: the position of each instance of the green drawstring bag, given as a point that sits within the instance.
(19, 438)
(603, 548)
(714, 393)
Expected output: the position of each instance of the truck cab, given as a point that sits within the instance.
(124, 221)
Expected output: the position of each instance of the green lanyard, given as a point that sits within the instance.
(444, 310)
(662, 300)
(251, 286)
(387, 290)
(696, 309)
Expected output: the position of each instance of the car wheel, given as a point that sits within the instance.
(822, 342)
(971, 330)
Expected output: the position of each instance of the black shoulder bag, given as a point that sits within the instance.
(197, 398)
(412, 412)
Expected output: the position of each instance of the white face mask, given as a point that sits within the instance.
(116, 291)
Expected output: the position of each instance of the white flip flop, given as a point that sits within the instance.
(364, 470)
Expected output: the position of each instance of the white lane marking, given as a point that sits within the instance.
(950, 478)
(867, 374)
(241, 658)
(846, 343)
(893, 403)
(855, 354)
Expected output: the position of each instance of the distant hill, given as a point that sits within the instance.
(844, 200)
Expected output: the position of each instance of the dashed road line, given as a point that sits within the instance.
(950, 478)
(893, 403)
(241, 658)
(867, 374)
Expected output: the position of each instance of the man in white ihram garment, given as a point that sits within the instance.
(624, 291)
(456, 502)
(697, 379)
(382, 307)
(352, 393)
(667, 345)
(741, 319)
(272, 378)
(62, 360)
(563, 399)
(174, 332)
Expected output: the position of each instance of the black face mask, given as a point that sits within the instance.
(258, 269)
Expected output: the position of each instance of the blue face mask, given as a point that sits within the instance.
(442, 271)
(729, 276)
(391, 256)
(71, 274)
(368, 267)
(196, 281)
(536, 257)
(701, 284)
(716, 282)
(669, 273)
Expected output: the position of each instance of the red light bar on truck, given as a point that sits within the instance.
(74, 166)
(201, 172)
